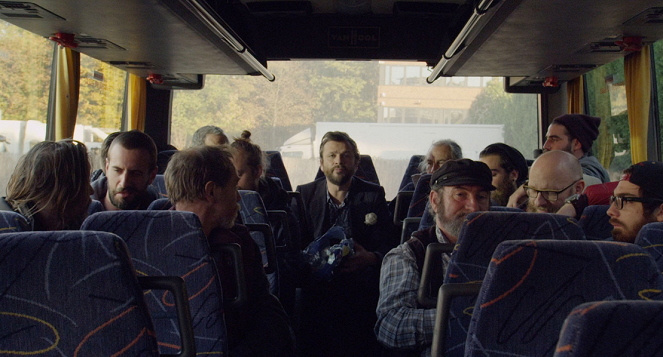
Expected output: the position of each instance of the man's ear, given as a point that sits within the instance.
(659, 213)
(579, 187)
(259, 170)
(434, 198)
(107, 163)
(513, 175)
(210, 187)
(576, 145)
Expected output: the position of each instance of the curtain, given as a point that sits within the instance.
(638, 99)
(576, 97)
(136, 102)
(68, 78)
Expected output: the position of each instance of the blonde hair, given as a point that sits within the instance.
(189, 171)
(52, 174)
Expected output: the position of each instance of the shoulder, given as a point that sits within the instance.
(365, 186)
(98, 188)
(312, 188)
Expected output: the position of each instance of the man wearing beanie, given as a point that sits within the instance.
(509, 169)
(575, 133)
(637, 200)
(458, 188)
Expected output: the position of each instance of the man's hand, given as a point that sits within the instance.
(516, 197)
(361, 259)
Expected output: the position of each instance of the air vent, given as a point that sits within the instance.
(651, 16)
(25, 10)
(571, 68)
(604, 46)
(89, 42)
(133, 65)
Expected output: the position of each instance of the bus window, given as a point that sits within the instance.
(25, 76)
(100, 104)
(658, 69)
(607, 100)
(387, 107)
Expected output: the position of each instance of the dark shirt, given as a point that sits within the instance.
(260, 327)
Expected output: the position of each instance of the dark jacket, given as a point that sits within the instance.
(100, 187)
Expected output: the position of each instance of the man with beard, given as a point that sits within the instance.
(575, 133)
(509, 169)
(637, 200)
(554, 177)
(338, 315)
(203, 180)
(458, 188)
(131, 166)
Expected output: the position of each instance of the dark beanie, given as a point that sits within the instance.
(511, 157)
(582, 127)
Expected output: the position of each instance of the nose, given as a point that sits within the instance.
(472, 203)
(539, 200)
(612, 210)
(547, 145)
(123, 179)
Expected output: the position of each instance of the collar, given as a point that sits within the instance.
(440, 236)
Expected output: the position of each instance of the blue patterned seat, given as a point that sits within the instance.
(68, 293)
(160, 204)
(531, 286)
(596, 222)
(613, 329)
(254, 216)
(420, 197)
(172, 243)
(276, 168)
(482, 232)
(94, 207)
(11, 222)
(412, 168)
(650, 238)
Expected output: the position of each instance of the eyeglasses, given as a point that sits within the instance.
(548, 195)
(619, 200)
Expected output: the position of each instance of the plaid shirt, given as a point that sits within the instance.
(401, 323)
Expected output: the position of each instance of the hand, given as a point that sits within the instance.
(361, 259)
(515, 198)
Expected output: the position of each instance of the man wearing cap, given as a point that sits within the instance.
(575, 133)
(509, 169)
(637, 200)
(458, 188)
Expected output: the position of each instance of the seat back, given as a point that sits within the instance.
(160, 204)
(482, 232)
(613, 329)
(650, 238)
(412, 168)
(253, 212)
(596, 222)
(427, 219)
(162, 160)
(172, 243)
(11, 222)
(420, 197)
(69, 293)
(365, 170)
(505, 209)
(276, 168)
(531, 286)
(160, 184)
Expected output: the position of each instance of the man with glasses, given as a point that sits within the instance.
(554, 177)
(637, 200)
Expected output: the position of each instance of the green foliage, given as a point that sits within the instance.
(518, 113)
(100, 101)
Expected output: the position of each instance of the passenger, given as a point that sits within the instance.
(131, 166)
(637, 200)
(440, 152)
(51, 186)
(338, 316)
(554, 177)
(509, 169)
(103, 154)
(575, 133)
(203, 180)
(209, 135)
(458, 188)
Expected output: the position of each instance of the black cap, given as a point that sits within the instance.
(463, 172)
(647, 175)
(582, 127)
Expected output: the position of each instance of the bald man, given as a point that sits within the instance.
(554, 177)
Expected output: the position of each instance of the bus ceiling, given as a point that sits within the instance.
(177, 40)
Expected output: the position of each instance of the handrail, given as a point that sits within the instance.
(205, 16)
(479, 11)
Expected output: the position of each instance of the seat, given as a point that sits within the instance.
(531, 286)
(276, 168)
(365, 170)
(650, 238)
(173, 243)
(505, 209)
(613, 329)
(160, 204)
(412, 169)
(11, 222)
(420, 197)
(68, 293)
(160, 184)
(401, 206)
(596, 222)
(254, 216)
(94, 207)
(162, 160)
(480, 235)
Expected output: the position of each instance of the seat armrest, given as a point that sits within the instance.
(433, 256)
(409, 222)
(266, 230)
(446, 293)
